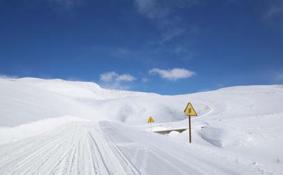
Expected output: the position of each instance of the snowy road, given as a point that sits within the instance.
(75, 149)
(103, 148)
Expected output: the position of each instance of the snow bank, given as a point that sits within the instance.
(154, 154)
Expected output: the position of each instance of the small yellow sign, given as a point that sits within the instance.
(150, 120)
(190, 111)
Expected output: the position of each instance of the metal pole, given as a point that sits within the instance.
(190, 130)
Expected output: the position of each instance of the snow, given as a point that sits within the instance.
(71, 127)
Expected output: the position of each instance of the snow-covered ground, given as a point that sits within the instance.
(67, 127)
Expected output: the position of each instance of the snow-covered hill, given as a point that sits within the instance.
(36, 99)
(57, 126)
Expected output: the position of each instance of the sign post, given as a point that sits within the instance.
(190, 129)
(190, 111)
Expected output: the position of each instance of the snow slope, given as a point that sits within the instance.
(55, 127)
(36, 99)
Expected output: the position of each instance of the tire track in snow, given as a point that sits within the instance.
(34, 150)
(73, 149)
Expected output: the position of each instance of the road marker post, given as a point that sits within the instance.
(190, 112)
(150, 120)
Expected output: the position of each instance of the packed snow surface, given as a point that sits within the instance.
(68, 127)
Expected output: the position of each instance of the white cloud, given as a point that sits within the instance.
(108, 76)
(125, 77)
(115, 77)
(114, 80)
(172, 74)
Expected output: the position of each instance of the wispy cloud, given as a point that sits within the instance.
(152, 8)
(65, 4)
(273, 14)
(172, 74)
(274, 10)
(174, 32)
(163, 14)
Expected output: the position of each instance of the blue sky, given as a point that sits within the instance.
(163, 46)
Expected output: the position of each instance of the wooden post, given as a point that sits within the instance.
(190, 130)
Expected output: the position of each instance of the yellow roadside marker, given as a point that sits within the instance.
(150, 119)
(190, 112)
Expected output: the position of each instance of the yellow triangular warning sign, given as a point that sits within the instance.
(190, 111)
(150, 120)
